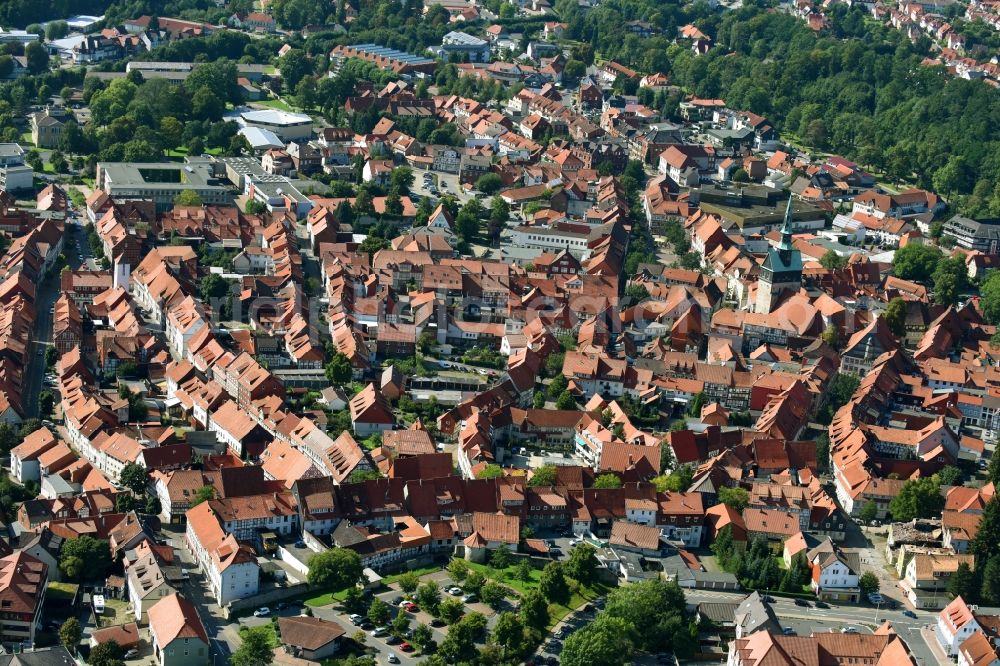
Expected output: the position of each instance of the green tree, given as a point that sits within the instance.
(950, 475)
(544, 476)
(991, 581)
(429, 597)
(378, 612)
(582, 563)
(339, 370)
(92, 556)
(37, 56)
(509, 633)
(552, 583)
(400, 624)
(422, 635)
(736, 498)
(868, 512)
(606, 642)
(474, 582)
(963, 583)
(895, 316)
(558, 384)
(401, 179)
(255, 648)
(916, 262)
(336, 568)
(920, 498)
(295, 66)
(489, 183)
(989, 294)
(408, 582)
(206, 105)
(609, 480)
(534, 611)
(566, 401)
(493, 594)
(868, 583)
(538, 400)
(108, 654)
(501, 558)
(450, 610)
(188, 198)
(522, 571)
(491, 471)
(203, 494)
(696, 404)
(678, 480)
(832, 261)
(951, 278)
(659, 608)
(831, 336)
(70, 634)
(133, 477)
(458, 570)
(986, 543)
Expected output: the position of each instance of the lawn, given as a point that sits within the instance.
(116, 611)
(182, 151)
(62, 591)
(423, 571)
(326, 598)
(279, 104)
(272, 635)
(506, 576)
(580, 594)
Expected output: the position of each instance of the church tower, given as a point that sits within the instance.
(782, 268)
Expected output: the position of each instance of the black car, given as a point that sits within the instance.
(437, 622)
(822, 604)
(767, 598)
(396, 601)
(392, 640)
(802, 602)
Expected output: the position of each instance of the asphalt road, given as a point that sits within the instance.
(865, 617)
(46, 295)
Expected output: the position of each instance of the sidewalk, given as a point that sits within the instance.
(927, 633)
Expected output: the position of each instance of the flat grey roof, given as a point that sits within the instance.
(192, 174)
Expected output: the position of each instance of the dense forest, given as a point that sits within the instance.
(861, 91)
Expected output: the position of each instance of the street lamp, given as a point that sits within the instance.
(878, 607)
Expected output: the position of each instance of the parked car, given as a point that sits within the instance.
(437, 622)
(822, 604)
(470, 598)
(391, 640)
(397, 600)
(263, 611)
(406, 647)
(455, 591)
(131, 654)
(300, 544)
(355, 619)
(379, 631)
(849, 630)
(788, 631)
(392, 658)
(768, 598)
(411, 607)
(802, 602)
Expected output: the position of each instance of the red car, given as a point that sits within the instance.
(406, 647)
(411, 608)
